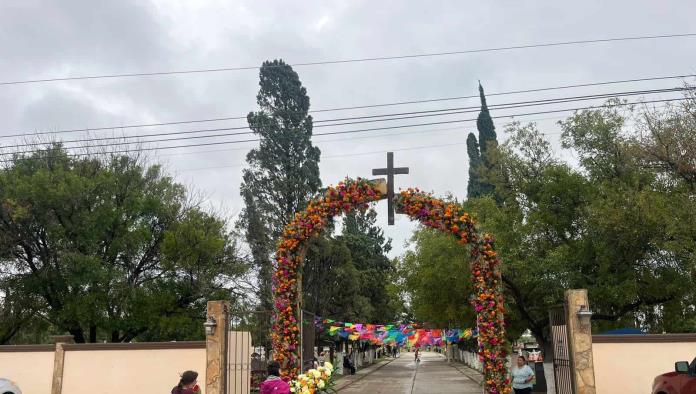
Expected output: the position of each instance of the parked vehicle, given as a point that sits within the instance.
(8, 387)
(681, 381)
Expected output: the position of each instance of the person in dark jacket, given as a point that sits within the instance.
(348, 363)
(188, 384)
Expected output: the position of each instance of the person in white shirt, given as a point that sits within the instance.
(522, 377)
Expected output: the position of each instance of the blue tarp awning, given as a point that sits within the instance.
(623, 331)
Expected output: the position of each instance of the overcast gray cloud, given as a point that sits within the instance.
(68, 38)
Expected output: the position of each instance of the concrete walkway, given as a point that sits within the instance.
(402, 376)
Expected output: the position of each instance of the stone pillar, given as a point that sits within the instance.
(59, 362)
(216, 349)
(579, 342)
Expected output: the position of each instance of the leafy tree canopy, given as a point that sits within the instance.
(108, 249)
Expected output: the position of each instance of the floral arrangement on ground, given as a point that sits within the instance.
(314, 381)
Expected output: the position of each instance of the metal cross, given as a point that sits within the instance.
(390, 171)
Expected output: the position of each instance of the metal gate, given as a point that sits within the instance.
(239, 351)
(308, 337)
(562, 372)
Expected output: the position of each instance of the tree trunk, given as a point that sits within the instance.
(78, 334)
(92, 333)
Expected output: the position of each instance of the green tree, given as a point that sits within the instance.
(479, 151)
(348, 276)
(332, 283)
(618, 226)
(437, 278)
(282, 173)
(368, 248)
(109, 249)
(484, 123)
(668, 147)
(473, 188)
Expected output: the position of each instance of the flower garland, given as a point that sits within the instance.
(345, 197)
(485, 268)
(314, 381)
(447, 217)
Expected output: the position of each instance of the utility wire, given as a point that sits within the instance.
(581, 85)
(450, 111)
(115, 127)
(334, 132)
(412, 132)
(418, 147)
(328, 133)
(363, 119)
(357, 60)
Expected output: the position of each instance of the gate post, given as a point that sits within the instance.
(216, 348)
(580, 342)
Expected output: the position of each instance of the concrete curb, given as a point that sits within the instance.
(358, 377)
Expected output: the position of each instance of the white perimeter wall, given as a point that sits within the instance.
(631, 367)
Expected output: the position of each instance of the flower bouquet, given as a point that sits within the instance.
(314, 381)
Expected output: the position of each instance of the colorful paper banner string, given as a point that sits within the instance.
(392, 334)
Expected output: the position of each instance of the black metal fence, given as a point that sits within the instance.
(562, 371)
(308, 339)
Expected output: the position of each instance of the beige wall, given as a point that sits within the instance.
(630, 367)
(136, 371)
(104, 368)
(31, 370)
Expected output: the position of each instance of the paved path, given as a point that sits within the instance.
(401, 376)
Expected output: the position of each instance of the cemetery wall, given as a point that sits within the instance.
(30, 366)
(630, 363)
(110, 368)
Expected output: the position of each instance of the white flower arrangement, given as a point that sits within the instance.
(314, 381)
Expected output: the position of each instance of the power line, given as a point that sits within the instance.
(357, 60)
(412, 132)
(581, 85)
(323, 141)
(558, 100)
(240, 117)
(335, 132)
(330, 133)
(366, 119)
(419, 147)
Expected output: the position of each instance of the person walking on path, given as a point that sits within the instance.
(417, 358)
(348, 363)
(273, 383)
(187, 384)
(522, 377)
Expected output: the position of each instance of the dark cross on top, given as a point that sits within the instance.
(390, 171)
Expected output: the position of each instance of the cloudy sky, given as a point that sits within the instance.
(53, 39)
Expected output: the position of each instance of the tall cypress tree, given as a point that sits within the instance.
(486, 128)
(478, 151)
(282, 173)
(473, 189)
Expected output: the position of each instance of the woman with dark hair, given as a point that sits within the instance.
(522, 377)
(187, 384)
(273, 383)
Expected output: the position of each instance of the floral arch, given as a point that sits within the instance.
(450, 218)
